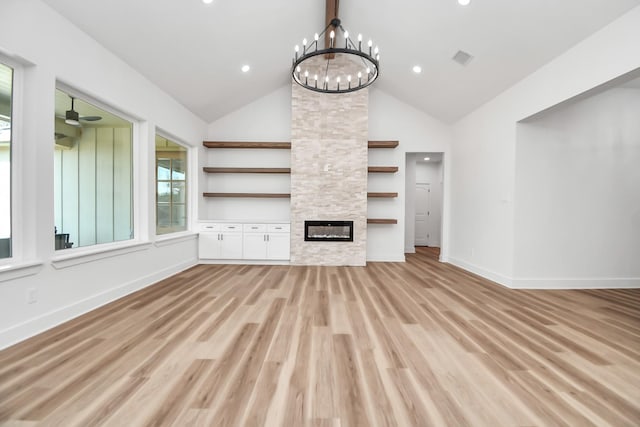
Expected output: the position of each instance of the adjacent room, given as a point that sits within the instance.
(343, 213)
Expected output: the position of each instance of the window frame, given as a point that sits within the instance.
(188, 186)
(16, 160)
(140, 240)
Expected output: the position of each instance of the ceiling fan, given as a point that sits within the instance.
(71, 117)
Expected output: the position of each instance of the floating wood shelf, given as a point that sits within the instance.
(385, 195)
(246, 170)
(250, 195)
(240, 144)
(383, 169)
(381, 221)
(383, 144)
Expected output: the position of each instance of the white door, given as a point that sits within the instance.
(209, 245)
(231, 245)
(422, 214)
(278, 245)
(254, 246)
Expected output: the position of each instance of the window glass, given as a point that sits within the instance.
(171, 178)
(6, 94)
(93, 182)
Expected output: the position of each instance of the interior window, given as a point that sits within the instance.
(171, 185)
(6, 92)
(93, 174)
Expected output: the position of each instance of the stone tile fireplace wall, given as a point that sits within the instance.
(329, 173)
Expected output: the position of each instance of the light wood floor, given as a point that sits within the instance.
(419, 343)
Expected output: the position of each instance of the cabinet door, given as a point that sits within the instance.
(209, 246)
(278, 246)
(231, 246)
(254, 246)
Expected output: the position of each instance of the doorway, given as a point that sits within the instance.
(424, 200)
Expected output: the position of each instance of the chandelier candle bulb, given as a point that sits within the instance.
(297, 48)
(370, 44)
(304, 46)
(360, 42)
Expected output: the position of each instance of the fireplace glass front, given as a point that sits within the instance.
(328, 231)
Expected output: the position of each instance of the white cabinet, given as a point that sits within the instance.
(254, 241)
(266, 241)
(220, 241)
(278, 241)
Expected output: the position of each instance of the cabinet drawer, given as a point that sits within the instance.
(278, 228)
(210, 227)
(231, 227)
(254, 228)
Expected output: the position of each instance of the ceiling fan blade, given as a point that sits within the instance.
(91, 118)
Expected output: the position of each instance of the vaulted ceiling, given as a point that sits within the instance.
(195, 51)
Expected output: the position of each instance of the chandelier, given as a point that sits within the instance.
(342, 66)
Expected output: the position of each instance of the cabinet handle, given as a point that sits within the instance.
(268, 237)
(222, 237)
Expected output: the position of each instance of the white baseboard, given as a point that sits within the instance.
(487, 274)
(410, 250)
(245, 261)
(386, 258)
(546, 283)
(49, 320)
(583, 283)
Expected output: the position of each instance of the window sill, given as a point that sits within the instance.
(174, 238)
(95, 253)
(19, 269)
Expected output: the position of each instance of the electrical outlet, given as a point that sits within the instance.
(32, 296)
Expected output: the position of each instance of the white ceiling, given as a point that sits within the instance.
(194, 51)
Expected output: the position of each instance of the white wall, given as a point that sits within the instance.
(577, 211)
(269, 119)
(483, 151)
(266, 119)
(35, 36)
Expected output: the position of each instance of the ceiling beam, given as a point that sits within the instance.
(332, 12)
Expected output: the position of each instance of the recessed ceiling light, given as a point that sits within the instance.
(245, 68)
(464, 2)
(427, 158)
(417, 69)
(207, 1)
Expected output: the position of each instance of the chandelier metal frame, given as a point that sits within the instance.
(369, 57)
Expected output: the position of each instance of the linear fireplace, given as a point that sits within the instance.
(328, 231)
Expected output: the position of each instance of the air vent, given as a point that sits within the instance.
(462, 57)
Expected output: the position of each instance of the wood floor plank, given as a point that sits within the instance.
(390, 344)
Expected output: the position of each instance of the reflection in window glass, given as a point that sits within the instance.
(6, 90)
(171, 178)
(93, 181)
